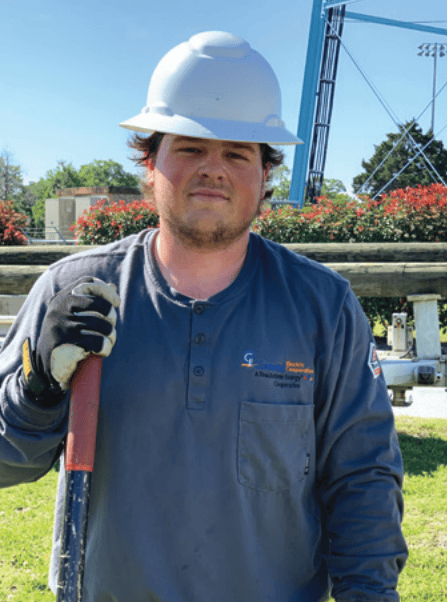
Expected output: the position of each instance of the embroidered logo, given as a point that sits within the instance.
(373, 361)
(287, 374)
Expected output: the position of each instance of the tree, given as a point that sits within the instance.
(332, 189)
(107, 173)
(335, 190)
(24, 204)
(64, 176)
(12, 187)
(281, 183)
(11, 182)
(97, 173)
(377, 177)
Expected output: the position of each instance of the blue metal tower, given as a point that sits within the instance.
(324, 103)
(318, 91)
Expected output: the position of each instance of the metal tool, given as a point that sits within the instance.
(79, 459)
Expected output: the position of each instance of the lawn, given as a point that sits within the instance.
(424, 449)
(26, 522)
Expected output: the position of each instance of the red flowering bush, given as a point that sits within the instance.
(11, 224)
(405, 215)
(103, 223)
(410, 215)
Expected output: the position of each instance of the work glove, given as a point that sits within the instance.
(79, 320)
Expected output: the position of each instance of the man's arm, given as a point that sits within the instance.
(30, 435)
(55, 329)
(360, 469)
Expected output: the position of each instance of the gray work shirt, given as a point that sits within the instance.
(246, 449)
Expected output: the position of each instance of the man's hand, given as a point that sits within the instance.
(80, 320)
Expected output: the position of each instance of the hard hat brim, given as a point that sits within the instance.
(215, 129)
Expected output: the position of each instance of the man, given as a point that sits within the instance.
(246, 449)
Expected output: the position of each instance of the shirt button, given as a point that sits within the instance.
(198, 371)
(199, 309)
(199, 339)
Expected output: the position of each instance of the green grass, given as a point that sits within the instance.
(424, 449)
(26, 522)
(26, 527)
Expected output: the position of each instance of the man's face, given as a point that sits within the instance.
(207, 192)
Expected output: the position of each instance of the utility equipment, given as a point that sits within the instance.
(403, 370)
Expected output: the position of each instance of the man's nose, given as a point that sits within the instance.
(212, 165)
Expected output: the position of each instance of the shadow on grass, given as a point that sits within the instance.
(422, 455)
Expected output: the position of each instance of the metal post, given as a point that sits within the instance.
(432, 50)
(308, 102)
(61, 235)
(435, 63)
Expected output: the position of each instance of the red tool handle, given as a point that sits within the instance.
(81, 438)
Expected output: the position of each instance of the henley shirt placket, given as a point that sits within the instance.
(200, 357)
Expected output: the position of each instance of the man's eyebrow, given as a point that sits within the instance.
(241, 145)
(229, 143)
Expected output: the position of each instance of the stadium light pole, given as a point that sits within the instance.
(433, 50)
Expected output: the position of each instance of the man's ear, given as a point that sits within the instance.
(266, 175)
(266, 172)
(150, 168)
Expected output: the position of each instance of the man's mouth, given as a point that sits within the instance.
(210, 194)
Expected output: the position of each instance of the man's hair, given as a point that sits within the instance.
(147, 148)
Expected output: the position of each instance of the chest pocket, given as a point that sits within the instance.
(275, 444)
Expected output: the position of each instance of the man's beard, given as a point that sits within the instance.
(220, 236)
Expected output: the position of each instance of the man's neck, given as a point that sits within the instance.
(198, 273)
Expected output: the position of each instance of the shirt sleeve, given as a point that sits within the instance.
(31, 437)
(359, 466)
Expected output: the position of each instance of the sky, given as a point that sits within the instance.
(72, 70)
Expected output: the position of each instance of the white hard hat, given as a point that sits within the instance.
(214, 86)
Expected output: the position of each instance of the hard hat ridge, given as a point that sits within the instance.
(214, 86)
(217, 44)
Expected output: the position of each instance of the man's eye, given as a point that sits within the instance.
(237, 156)
(190, 149)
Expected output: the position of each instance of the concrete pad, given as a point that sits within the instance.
(428, 402)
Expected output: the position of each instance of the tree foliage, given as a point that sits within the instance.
(281, 183)
(11, 181)
(335, 190)
(64, 176)
(332, 189)
(97, 173)
(106, 173)
(380, 171)
(12, 187)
